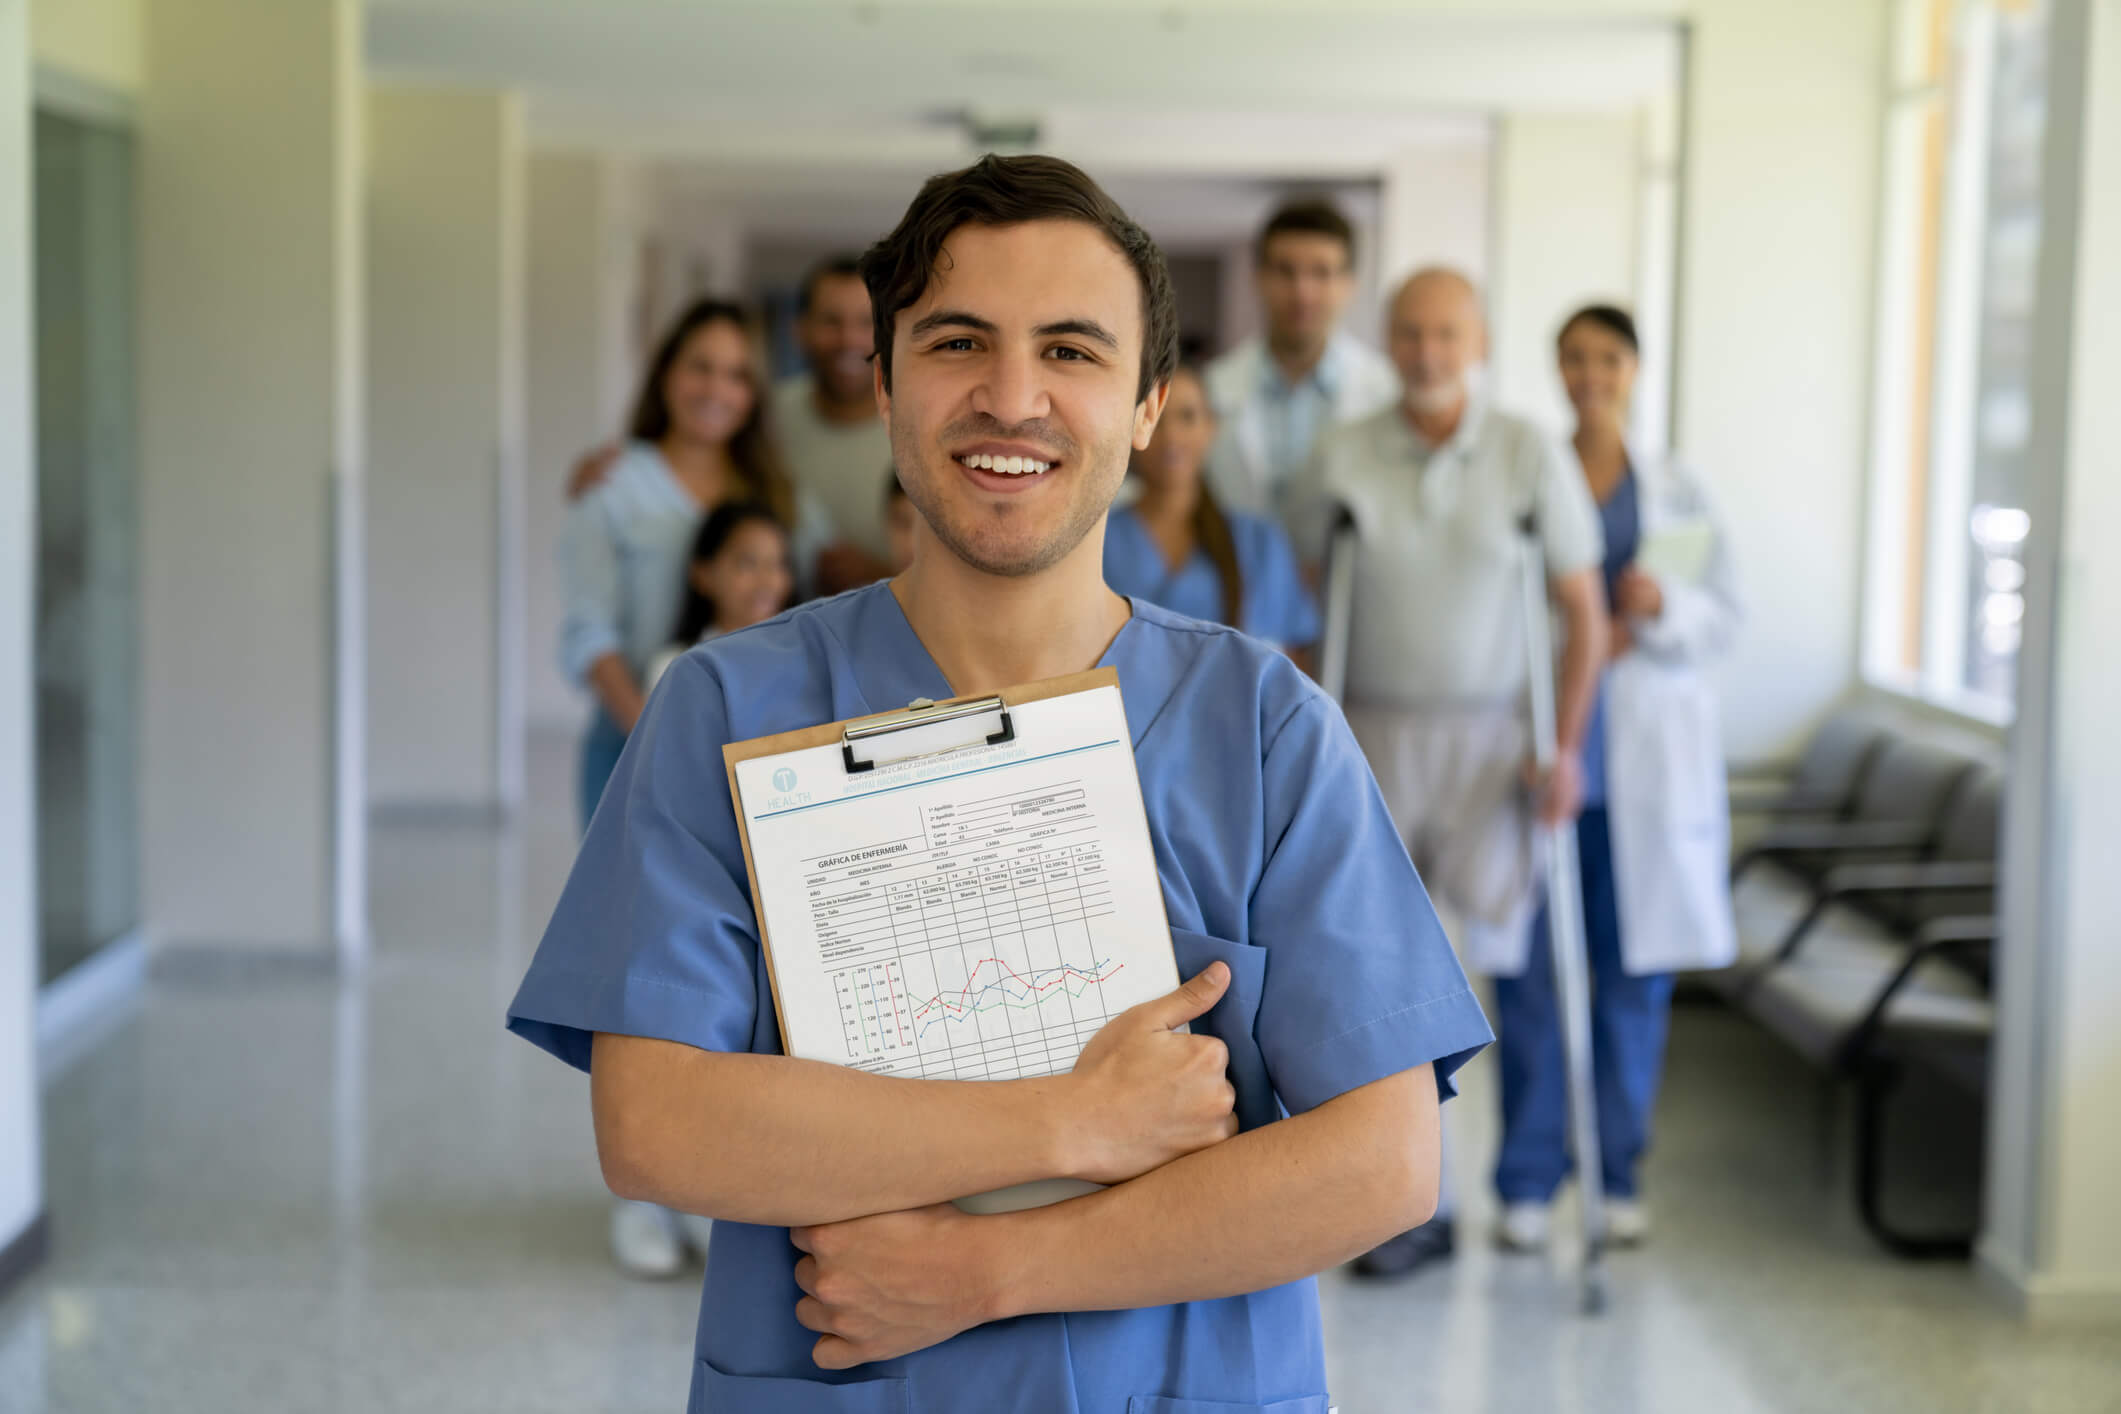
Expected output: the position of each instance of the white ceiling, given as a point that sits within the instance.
(1192, 85)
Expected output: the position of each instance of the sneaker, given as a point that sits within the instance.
(1402, 1255)
(1523, 1227)
(1627, 1222)
(697, 1230)
(644, 1241)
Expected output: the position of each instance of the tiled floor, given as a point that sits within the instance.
(274, 1193)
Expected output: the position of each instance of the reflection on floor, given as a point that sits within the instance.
(281, 1193)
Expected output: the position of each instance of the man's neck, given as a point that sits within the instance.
(1436, 426)
(848, 412)
(987, 632)
(1296, 359)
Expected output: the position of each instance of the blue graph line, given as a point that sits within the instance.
(971, 1004)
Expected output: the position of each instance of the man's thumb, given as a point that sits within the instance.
(1193, 997)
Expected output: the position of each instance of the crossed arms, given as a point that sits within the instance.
(1195, 1210)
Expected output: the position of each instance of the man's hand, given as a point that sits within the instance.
(884, 1286)
(1560, 791)
(1637, 595)
(1144, 1094)
(591, 470)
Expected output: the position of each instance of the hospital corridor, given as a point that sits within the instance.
(979, 705)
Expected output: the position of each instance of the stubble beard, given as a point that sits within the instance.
(1015, 562)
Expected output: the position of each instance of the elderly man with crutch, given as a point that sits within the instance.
(1476, 752)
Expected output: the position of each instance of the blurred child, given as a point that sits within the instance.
(739, 574)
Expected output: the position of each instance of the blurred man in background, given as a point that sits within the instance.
(826, 418)
(1438, 485)
(1277, 391)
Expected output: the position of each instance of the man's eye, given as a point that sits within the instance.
(1064, 352)
(957, 345)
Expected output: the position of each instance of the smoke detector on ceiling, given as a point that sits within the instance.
(988, 130)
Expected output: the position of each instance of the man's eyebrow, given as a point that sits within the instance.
(1081, 328)
(952, 319)
(963, 319)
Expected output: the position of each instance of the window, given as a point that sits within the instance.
(1960, 233)
(87, 542)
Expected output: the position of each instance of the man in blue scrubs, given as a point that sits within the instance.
(1025, 333)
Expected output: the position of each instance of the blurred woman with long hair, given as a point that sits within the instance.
(1178, 548)
(698, 439)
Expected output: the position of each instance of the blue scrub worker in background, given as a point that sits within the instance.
(1179, 549)
(1654, 835)
(1025, 333)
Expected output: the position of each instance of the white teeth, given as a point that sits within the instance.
(1007, 466)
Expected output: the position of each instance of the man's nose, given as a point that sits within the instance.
(1013, 390)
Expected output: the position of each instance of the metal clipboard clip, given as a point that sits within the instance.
(925, 729)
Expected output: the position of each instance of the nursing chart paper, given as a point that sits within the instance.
(974, 915)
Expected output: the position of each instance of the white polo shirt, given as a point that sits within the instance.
(1438, 614)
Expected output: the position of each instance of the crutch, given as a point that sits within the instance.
(1565, 937)
(1340, 597)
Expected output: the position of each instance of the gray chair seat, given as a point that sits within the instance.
(1817, 999)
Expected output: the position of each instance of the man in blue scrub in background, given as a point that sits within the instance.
(1025, 331)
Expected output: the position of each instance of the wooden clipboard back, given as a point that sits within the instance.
(832, 733)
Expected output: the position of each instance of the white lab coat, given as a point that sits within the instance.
(1666, 797)
(1239, 467)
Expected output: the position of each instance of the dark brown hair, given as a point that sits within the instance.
(696, 610)
(1309, 216)
(832, 267)
(1609, 317)
(1211, 528)
(1007, 191)
(752, 450)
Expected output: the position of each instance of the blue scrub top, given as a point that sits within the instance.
(1621, 519)
(1275, 853)
(1276, 606)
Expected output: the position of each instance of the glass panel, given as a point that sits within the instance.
(87, 516)
(1993, 603)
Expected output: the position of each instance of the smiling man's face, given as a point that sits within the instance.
(1013, 381)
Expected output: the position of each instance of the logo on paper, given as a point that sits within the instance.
(784, 780)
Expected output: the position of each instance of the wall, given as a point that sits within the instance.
(1567, 216)
(2051, 1240)
(98, 40)
(1435, 209)
(250, 378)
(1776, 254)
(569, 202)
(445, 210)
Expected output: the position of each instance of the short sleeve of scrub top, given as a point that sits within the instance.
(1275, 855)
(654, 934)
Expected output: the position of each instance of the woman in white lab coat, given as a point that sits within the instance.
(1654, 834)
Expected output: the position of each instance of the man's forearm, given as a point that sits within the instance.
(1270, 1206)
(784, 1142)
(1582, 658)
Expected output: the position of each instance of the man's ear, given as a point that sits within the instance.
(1147, 412)
(883, 393)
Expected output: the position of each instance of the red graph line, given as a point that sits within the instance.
(964, 993)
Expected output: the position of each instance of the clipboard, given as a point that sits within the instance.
(961, 805)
